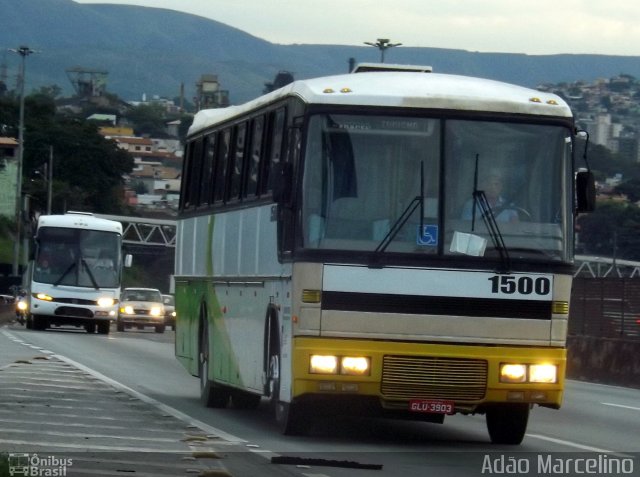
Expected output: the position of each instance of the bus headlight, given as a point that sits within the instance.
(352, 365)
(345, 365)
(44, 296)
(320, 364)
(528, 373)
(106, 302)
(543, 373)
(513, 373)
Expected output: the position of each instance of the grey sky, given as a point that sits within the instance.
(609, 27)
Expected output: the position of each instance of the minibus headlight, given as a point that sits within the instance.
(513, 373)
(106, 301)
(355, 365)
(321, 364)
(543, 373)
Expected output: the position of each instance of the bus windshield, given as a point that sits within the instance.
(362, 173)
(74, 257)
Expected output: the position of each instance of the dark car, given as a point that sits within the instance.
(169, 311)
(141, 307)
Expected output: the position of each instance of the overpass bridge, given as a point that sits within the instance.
(143, 235)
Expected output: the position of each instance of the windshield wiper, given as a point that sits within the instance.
(91, 277)
(66, 272)
(417, 201)
(489, 219)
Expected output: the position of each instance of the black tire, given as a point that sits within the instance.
(507, 424)
(245, 400)
(90, 327)
(211, 395)
(159, 328)
(39, 322)
(104, 327)
(119, 325)
(290, 417)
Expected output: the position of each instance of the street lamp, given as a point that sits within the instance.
(23, 51)
(382, 44)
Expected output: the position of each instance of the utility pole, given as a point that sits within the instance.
(50, 181)
(382, 44)
(23, 51)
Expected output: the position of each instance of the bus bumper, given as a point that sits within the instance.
(465, 376)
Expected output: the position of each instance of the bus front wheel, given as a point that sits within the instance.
(210, 394)
(507, 424)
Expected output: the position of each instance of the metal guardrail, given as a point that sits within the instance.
(603, 267)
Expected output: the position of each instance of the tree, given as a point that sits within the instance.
(630, 188)
(88, 169)
(148, 119)
(611, 230)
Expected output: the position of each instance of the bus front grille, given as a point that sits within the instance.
(409, 377)
(73, 311)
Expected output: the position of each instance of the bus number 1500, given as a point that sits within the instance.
(524, 285)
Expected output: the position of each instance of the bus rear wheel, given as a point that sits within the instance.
(507, 424)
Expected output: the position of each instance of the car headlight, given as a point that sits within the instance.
(173, 313)
(106, 301)
(127, 310)
(155, 311)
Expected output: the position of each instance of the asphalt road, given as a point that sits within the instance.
(596, 421)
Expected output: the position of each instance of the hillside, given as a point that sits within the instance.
(152, 51)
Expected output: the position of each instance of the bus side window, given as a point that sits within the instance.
(224, 140)
(235, 162)
(207, 169)
(253, 162)
(195, 173)
(185, 200)
(277, 142)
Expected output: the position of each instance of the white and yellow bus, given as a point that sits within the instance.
(324, 260)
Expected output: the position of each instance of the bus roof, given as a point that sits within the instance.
(403, 89)
(80, 221)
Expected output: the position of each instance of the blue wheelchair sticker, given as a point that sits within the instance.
(429, 235)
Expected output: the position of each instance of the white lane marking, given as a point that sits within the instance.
(89, 447)
(620, 405)
(570, 444)
(149, 400)
(93, 436)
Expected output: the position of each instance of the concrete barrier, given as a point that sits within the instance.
(7, 313)
(604, 360)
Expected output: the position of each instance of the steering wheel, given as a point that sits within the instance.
(523, 214)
